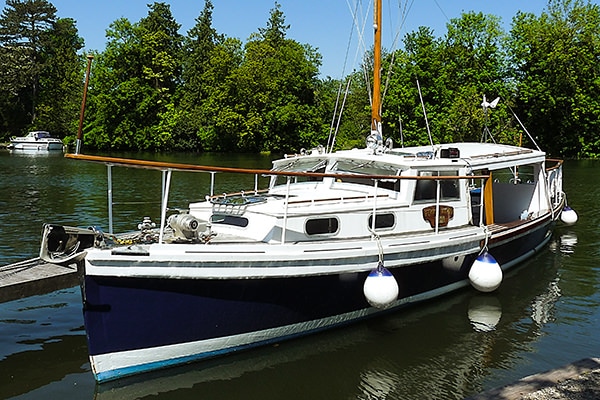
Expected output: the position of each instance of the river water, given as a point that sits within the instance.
(545, 314)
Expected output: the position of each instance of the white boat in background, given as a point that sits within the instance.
(36, 141)
(335, 237)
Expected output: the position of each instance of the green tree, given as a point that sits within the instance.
(160, 49)
(475, 65)
(209, 61)
(219, 112)
(23, 27)
(276, 86)
(453, 73)
(421, 61)
(555, 64)
(115, 90)
(134, 83)
(60, 80)
(199, 46)
(15, 96)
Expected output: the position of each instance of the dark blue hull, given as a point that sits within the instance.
(127, 315)
(131, 313)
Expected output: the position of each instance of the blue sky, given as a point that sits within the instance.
(324, 24)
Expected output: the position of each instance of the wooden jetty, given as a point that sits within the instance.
(34, 276)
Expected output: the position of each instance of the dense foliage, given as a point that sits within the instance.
(153, 88)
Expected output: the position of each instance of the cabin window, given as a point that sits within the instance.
(316, 165)
(383, 221)
(358, 167)
(520, 174)
(321, 226)
(426, 189)
(233, 220)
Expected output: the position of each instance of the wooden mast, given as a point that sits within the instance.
(376, 106)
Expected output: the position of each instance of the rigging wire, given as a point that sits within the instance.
(360, 22)
(403, 16)
(440, 7)
(425, 114)
(339, 120)
(363, 46)
(332, 132)
(525, 129)
(401, 133)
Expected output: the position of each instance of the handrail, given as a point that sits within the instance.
(338, 199)
(169, 167)
(161, 165)
(558, 162)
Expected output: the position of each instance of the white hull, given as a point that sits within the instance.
(38, 141)
(39, 146)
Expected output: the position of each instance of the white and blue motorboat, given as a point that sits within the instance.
(36, 141)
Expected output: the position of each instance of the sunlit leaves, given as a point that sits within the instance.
(556, 62)
(153, 88)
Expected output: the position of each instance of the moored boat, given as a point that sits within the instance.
(334, 238)
(40, 141)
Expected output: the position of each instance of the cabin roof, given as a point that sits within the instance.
(446, 156)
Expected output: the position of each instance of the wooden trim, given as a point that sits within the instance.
(488, 201)
(339, 199)
(163, 166)
(556, 166)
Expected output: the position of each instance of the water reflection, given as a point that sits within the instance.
(42, 342)
(440, 350)
(485, 312)
(543, 305)
(568, 241)
(565, 244)
(545, 314)
(379, 381)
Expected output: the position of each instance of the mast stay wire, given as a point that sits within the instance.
(360, 25)
(362, 47)
(403, 14)
(337, 112)
(339, 119)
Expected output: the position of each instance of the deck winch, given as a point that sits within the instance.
(184, 226)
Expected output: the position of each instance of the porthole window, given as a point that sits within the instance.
(382, 221)
(321, 226)
(229, 220)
